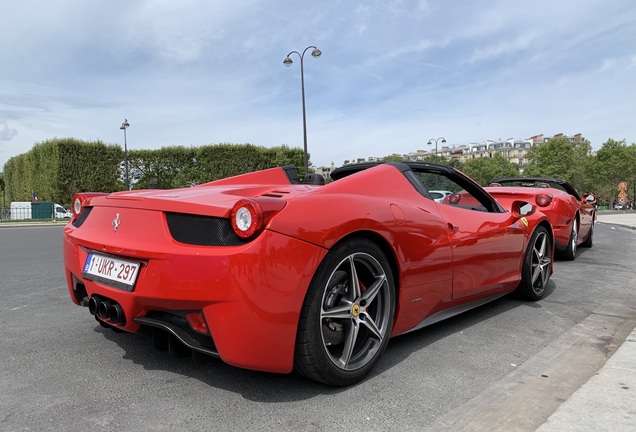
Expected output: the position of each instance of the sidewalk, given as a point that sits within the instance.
(625, 218)
(607, 402)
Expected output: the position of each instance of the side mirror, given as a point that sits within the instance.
(590, 198)
(520, 209)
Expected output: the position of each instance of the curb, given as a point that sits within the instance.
(31, 224)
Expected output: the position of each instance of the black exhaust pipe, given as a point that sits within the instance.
(93, 304)
(116, 314)
(103, 309)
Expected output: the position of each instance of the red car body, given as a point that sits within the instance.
(349, 263)
(572, 216)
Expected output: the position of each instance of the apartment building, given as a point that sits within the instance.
(514, 150)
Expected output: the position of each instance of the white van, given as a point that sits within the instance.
(61, 212)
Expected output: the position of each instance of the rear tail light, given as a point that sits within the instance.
(247, 219)
(77, 205)
(454, 198)
(80, 200)
(249, 216)
(544, 200)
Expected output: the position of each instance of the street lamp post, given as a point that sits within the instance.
(433, 140)
(288, 62)
(123, 127)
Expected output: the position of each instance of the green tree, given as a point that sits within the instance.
(438, 159)
(165, 168)
(483, 169)
(614, 162)
(559, 158)
(58, 168)
(2, 188)
(393, 158)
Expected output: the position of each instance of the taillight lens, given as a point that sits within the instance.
(249, 216)
(544, 200)
(77, 205)
(246, 218)
(454, 198)
(80, 200)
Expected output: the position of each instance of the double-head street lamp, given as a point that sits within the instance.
(433, 140)
(123, 127)
(288, 62)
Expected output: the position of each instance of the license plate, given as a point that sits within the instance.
(111, 271)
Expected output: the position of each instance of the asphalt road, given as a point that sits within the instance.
(507, 365)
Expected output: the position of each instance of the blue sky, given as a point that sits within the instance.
(393, 74)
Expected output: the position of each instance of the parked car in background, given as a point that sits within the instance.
(627, 206)
(271, 274)
(439, 195)
(61, 212)
(572, 216)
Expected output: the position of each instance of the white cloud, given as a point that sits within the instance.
(392, 74)
(6, 133)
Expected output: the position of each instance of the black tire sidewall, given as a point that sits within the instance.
(569, 253)
(590, 237)
(311, 358)
(525, 289)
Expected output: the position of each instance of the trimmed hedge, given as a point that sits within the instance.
(56, 169)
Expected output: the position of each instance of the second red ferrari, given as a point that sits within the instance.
(572, 216)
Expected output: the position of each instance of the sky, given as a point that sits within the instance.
(393, 74)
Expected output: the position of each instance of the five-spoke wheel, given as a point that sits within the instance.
(347, 315)
(537, 266)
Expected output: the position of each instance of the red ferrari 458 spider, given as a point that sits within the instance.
(572, 216)
(271, 274)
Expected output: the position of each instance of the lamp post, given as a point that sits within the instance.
(433, 140)
(123, 127)
(288, 62)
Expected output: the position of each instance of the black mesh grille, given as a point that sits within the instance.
(82, 217)
(202, 230)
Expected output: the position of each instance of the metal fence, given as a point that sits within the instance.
(15, 213)
(27, 212)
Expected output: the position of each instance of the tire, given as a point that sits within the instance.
(347, 315)
(570, 251)
(537, 263)
(588, 241)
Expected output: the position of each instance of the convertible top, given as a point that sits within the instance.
(346, 170)
(536, 182)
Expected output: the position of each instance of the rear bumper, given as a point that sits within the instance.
(250, 295)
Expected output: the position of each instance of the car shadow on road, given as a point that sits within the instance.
(280, 388)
